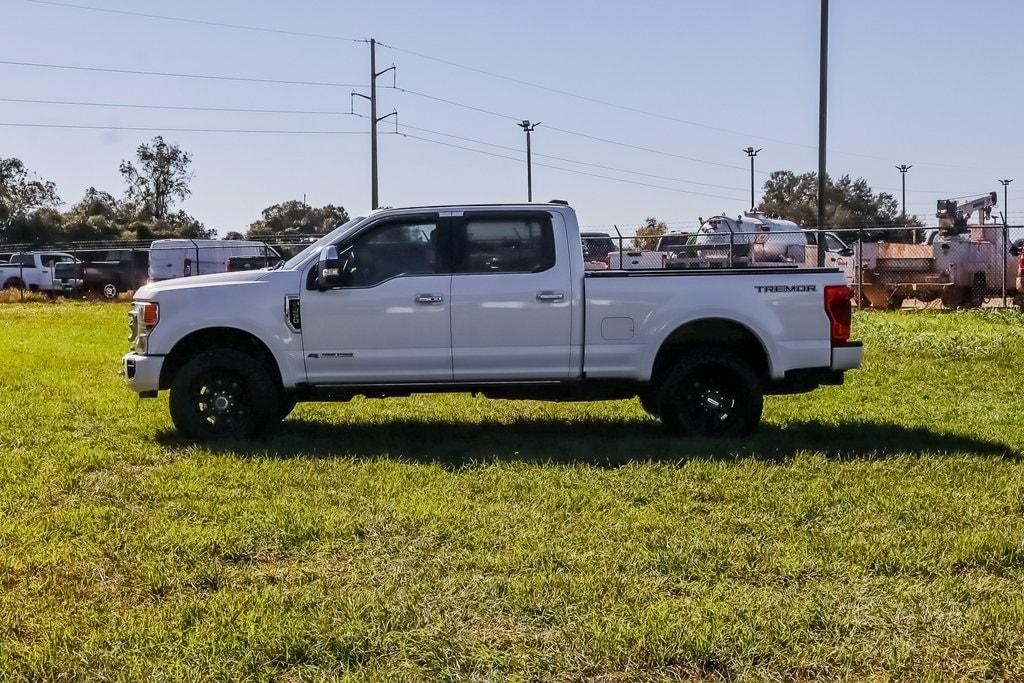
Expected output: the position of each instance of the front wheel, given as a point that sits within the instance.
(223, 394)
(109, 291)
(711, 393)
(285, 406)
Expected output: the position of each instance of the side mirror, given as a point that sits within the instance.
(848, 251)
(329, 274)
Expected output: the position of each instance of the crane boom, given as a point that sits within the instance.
(953, 214)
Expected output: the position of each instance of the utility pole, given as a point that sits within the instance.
(374, 119)
(903, 168)
(528, 128)
(822, 118)
(751, 152)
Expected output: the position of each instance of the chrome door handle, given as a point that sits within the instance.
(550, 296)
(429, 299)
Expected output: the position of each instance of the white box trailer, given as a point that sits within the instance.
(184, 257)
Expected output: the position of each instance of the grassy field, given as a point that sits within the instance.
(874, 530)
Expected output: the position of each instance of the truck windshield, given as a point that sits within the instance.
(315, 248)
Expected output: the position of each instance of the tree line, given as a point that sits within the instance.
(158, 180)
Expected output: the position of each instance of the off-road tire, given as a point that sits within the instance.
(285, 406)
(711, 393)
(223, 394)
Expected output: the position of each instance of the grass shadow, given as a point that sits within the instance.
(593, 442)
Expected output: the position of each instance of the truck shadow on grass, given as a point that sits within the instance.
(594, 442)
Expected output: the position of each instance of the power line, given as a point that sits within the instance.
(456, 103)
(641, 148)
(569, 160)
(467, 67)
(126, 105)
(585, 98)
(568, 170)
(186, 20)
(138, 72)
(581, 134)
(153, 129)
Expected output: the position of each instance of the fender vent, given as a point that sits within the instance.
(293, 313)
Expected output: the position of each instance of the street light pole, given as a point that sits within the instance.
(1006, 207)
(751, 152)
(1006, 229)
(528, 128)
(903, 168)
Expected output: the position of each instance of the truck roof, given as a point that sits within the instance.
(442, 207)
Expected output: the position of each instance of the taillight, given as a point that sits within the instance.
(839, 308)
(188, 267)
(150, 314)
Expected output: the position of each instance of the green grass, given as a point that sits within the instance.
(874, 530)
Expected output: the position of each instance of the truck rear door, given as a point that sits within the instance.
(511, 301)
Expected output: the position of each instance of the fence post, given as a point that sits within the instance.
(732, 245)
(859, 270)
(1004, 253)
(618, 234)
(21, 276)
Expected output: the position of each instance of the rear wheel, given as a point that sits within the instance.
(711, 393)
(14, 283)
(954, 297)
(222, 394)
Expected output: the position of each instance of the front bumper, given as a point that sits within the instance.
(142, 373)
(848, 356)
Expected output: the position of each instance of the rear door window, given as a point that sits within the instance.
(505, 243)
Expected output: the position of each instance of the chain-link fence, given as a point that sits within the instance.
(110, 269)
(887, 267)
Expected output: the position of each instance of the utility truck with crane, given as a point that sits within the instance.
(958, 264)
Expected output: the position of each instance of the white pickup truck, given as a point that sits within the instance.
(485, 299)
(32, 270)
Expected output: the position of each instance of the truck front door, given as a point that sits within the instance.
(390, 322)
(511, 296)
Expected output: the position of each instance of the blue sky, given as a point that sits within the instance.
(934, 84)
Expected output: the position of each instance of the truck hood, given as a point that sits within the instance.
(198, 281)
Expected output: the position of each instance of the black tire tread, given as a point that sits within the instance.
(260, 383)
(694, 358)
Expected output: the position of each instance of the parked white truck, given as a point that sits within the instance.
(492, 300)
(32, 270)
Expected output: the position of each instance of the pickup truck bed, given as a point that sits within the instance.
(489, 299)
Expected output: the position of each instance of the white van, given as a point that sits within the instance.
(184, 257)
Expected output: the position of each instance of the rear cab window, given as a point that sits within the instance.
(505, 243)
